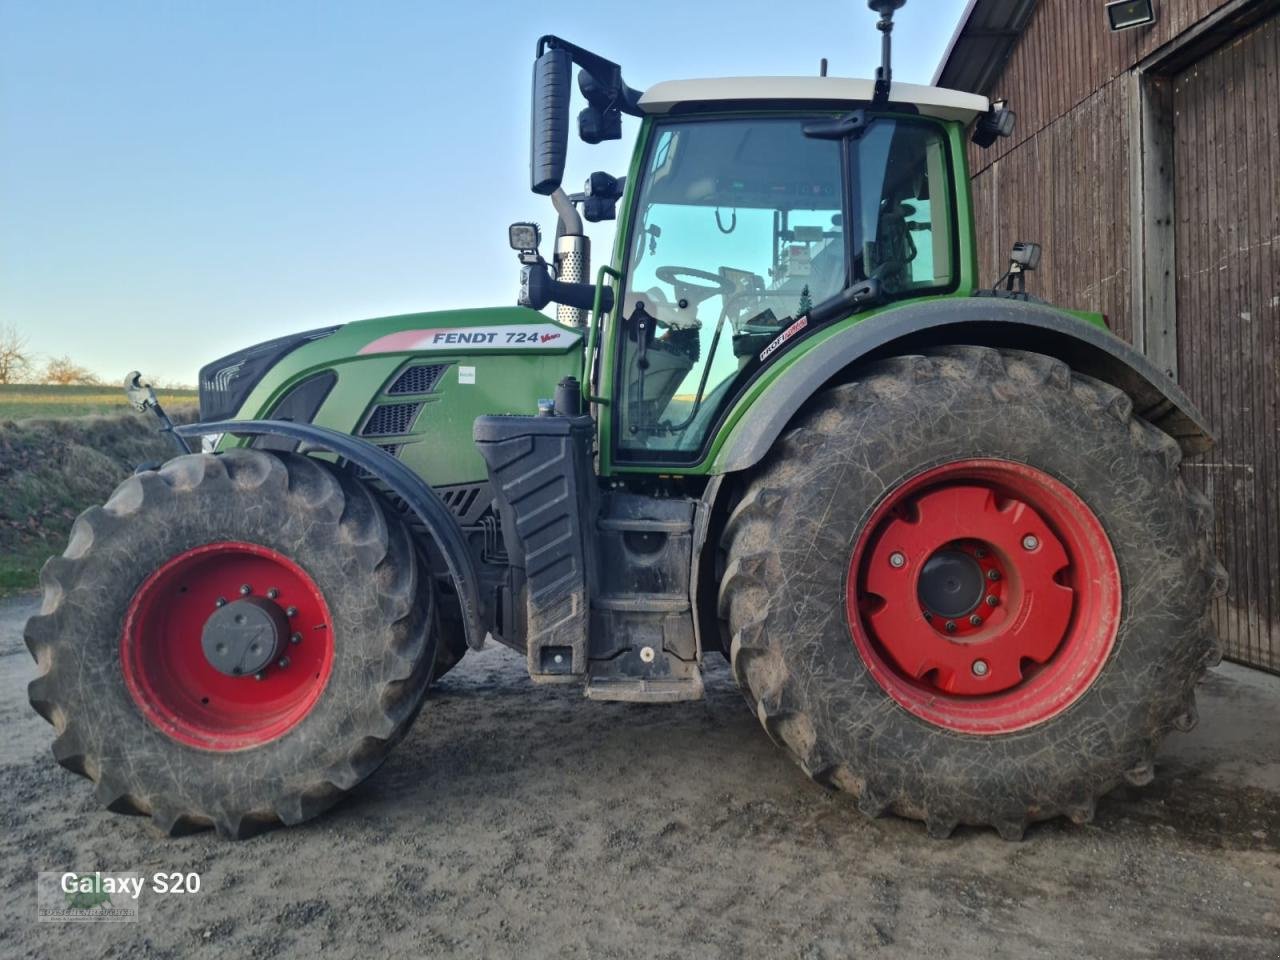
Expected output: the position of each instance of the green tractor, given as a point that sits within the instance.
(938, 529)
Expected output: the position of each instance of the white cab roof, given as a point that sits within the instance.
(931, 101)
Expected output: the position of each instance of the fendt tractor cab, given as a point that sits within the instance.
(938, 529)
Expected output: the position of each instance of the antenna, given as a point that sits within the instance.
(884, 73)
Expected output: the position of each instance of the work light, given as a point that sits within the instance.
(1127, 14)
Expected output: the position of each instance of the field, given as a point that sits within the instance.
(63, 449)
(20, 401)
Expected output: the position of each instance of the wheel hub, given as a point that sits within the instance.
(242, 638)
(951, 584)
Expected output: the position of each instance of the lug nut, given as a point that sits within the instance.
(291, 612)
(272, 593)
(296, 638)
(259, 675)
(975, 620)
(1029, 542)
(980, 668)
(897, 560)
(951, 626)
(993, 601)
(282, 662)
(928, 616)
(980, 554)
(220, 602)
(993, 574)
(245, 590)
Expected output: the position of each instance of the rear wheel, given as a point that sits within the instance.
(233, 640)
(971, 588)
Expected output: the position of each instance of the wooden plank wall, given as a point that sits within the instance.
(1067, 54)
(1067, 188)
(1227, 216)
(1063, 179)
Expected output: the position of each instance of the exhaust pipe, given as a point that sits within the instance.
(571, 257)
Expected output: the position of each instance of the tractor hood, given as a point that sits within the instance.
(412, 384)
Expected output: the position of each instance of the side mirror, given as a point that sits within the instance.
(549, 133)
(997, 122)
(600, 197)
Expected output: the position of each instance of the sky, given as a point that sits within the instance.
(179, 180)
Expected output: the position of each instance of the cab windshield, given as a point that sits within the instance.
(740, 226)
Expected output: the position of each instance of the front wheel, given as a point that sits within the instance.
(233, 640)
(971, 588)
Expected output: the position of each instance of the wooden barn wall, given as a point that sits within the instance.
(1066, 188)
(1062, 180)
(1067, 54)
(1227, 109)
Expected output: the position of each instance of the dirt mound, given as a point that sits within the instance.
(51, 469)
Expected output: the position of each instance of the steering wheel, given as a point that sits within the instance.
(689, 294)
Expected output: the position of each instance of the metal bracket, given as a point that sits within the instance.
(142, 397)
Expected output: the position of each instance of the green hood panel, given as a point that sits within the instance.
(495, 360)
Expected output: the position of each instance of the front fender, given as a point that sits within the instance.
(399, 479)
(981, 321)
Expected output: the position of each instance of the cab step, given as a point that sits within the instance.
(667, 690)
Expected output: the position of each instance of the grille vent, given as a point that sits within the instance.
(420, 379)
(391, 419)
(460, 499)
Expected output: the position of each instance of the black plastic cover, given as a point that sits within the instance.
(542, 477)
(227, 382)
(300, 404)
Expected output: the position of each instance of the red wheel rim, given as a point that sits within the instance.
(1047, 609)
(176, 687)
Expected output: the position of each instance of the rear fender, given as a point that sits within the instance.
(981, 321)
(425, 503)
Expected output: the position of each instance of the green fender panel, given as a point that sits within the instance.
(984, 321)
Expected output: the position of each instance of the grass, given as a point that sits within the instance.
(20, 401)
(54, 467)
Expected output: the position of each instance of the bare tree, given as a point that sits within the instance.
(15, 359)
(63, 371)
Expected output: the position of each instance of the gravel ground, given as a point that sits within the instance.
(523, 821)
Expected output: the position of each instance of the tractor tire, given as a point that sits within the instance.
(169, 729)
(971, 587)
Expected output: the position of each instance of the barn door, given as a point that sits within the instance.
(1227, 207)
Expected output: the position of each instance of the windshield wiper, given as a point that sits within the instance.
(849, 300)
(851, 125)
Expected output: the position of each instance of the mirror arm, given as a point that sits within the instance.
(537, 289)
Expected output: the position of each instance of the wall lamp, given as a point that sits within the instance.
(1128, 14)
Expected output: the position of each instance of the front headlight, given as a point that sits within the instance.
(225, 384)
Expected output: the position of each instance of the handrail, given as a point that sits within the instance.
(594, 328)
